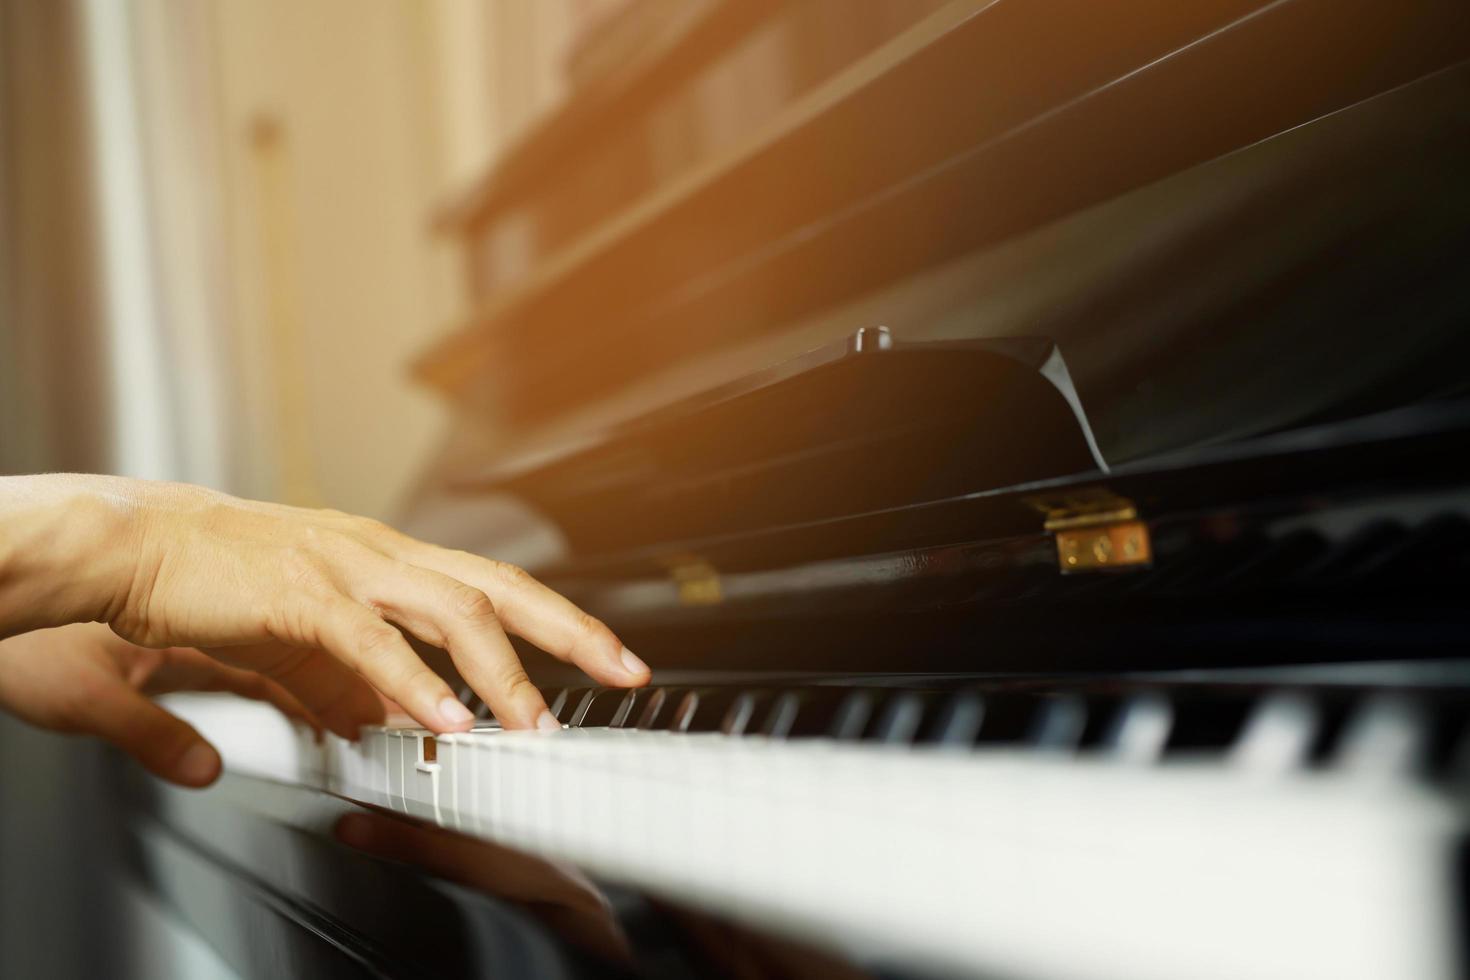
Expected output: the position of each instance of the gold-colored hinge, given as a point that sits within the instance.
(696, 579)
(1096, 530)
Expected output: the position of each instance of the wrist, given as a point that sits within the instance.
(69, 548)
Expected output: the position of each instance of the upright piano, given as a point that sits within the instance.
(1028, 441)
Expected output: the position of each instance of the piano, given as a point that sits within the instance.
(1031, 457)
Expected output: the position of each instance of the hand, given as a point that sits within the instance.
(312, 599)
(84, 679)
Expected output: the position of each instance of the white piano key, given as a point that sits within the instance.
(1012, 862)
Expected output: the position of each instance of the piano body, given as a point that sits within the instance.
(1032, 460)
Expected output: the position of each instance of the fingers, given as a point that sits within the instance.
(329, 689)
(192, 670)
(379, 652)
(461, 619)
(544, 617)
(166, 746)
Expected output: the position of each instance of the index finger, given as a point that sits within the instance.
(536, 613)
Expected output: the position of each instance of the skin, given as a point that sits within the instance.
(306, 609)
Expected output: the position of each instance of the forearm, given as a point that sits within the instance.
(68, 544)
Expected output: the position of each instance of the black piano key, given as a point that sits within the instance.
(684, 712)
(579, 712)
(601, 707)
(630, 707)
(1008, 717)
(1104, 716)
(471, 700)
(702, 709)
(1333, 712)
(957, 722)
(658, 708)
(899, 718)
(852, 717)
(1449, 746)
(1059, 723)
(1137, 729)
(565, 703)
(743, 712)
(781, 716)
(804, 713)
(1209, 723)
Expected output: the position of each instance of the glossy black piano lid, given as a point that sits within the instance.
(862, 426)
(1314, 276)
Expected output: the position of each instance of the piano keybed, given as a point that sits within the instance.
(1316, 821)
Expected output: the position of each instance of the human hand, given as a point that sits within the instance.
(84, 679)
(310, 598)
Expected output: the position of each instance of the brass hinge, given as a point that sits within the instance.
(1096, 530)
(697, 581)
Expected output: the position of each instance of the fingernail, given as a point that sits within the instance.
(454, 713)
(632, 664)
(547, 722)
(198, 764)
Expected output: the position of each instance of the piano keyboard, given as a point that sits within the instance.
(1037, 855)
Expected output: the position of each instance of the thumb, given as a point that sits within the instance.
(166, 745)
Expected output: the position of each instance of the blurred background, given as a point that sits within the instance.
(218, 259)
(232, 227)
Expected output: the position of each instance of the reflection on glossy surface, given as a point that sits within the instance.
(287, 881)
(561, 897)
(579, 911)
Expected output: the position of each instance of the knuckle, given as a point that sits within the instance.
(468, 602)
(427, 685)
(514, 684)
(145, 662)
(301, 567)
(371, 527)
(513, 575)
(592, 627)
(378, 642)
(294, 623)
(136, 627)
